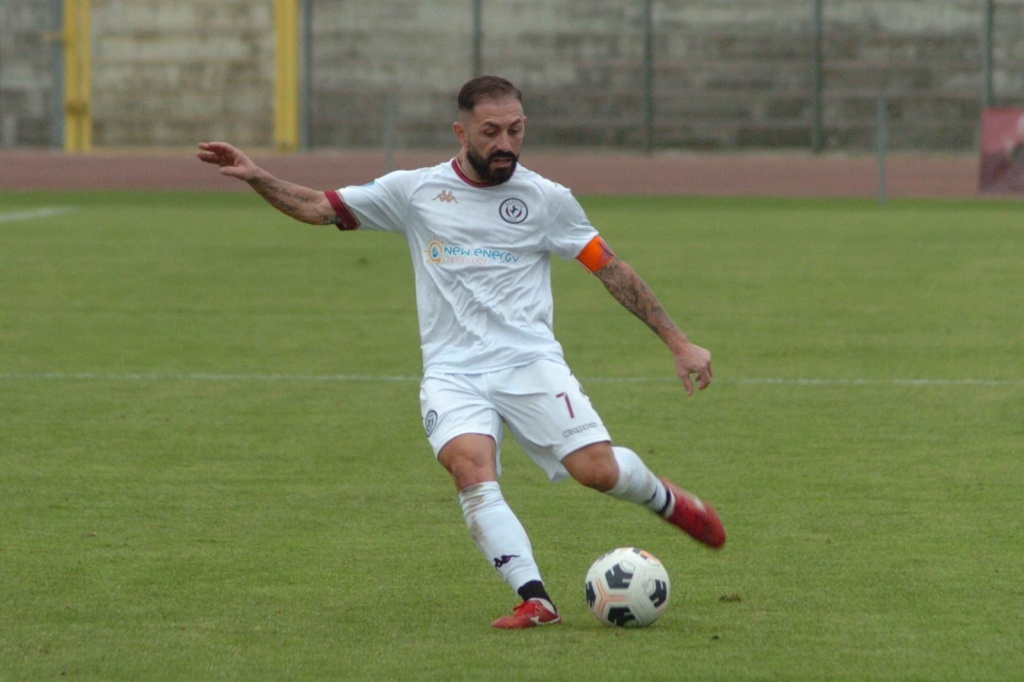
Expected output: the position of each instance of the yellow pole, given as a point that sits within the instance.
(286, 75)
(71, 68)
(77, 77)
(84, 14)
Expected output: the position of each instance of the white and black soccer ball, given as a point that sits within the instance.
(627, 587)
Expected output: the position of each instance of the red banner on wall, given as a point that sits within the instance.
(1002, 150)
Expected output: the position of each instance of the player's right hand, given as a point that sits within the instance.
(231, 160)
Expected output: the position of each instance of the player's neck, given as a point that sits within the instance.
(471, 178)
(466, 168)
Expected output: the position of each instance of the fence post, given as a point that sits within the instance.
(390, 103)
(478, 37)
(817, 135)
(882, 147)
(648, 76)
(986, 54)
(57, 52)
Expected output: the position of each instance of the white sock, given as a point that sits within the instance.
(636, 482)
(498, 534)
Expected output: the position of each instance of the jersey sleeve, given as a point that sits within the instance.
(569, 231)
(378, 205)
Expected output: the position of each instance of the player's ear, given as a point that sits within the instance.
(460, 132)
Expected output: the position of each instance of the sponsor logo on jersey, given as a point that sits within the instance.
(513, 211)
(445, 196)
(440, 252)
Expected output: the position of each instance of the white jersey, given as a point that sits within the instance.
(481, 257)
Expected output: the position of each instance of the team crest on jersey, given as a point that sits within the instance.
(513, 211)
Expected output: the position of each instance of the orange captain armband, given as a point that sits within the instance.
(595, 255)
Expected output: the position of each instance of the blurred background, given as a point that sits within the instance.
(703, 75)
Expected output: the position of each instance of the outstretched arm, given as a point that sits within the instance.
(302, 203)
(626, 286)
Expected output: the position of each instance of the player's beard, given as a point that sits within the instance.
(492, 176)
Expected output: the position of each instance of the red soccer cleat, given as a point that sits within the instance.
(694, 517)
(529, 614)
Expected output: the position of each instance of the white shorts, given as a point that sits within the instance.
(543, 404)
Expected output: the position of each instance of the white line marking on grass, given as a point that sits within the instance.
(91, 376)
(369, 378)
(884, 382)
(47, 212)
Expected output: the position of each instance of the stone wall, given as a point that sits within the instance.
(179, 72)
(727, 73)
(29, 93)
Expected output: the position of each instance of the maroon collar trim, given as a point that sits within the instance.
(468, 180)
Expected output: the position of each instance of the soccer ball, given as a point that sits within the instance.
(627, 587)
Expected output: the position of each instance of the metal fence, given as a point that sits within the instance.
(625, 74)
(657, 74)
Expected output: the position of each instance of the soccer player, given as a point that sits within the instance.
(481, 230)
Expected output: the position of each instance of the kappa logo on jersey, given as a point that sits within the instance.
(445, 196)
(513, 211)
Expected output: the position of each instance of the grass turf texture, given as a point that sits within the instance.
(212, 466)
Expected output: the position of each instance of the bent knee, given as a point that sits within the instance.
(593, 466)
(470, 459)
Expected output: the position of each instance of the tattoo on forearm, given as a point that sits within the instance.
(632, 292)
(279, 196)
(290, 199)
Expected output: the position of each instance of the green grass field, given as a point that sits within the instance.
(212, 465)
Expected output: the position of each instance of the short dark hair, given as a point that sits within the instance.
(486, 87)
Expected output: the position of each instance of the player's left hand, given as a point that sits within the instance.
(691, 359)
